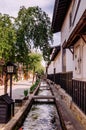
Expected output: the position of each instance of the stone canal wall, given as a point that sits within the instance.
(67, 108)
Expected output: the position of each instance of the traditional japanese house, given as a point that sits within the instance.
(54, 66)
(69, 18)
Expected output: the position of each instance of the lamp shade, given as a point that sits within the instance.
(10, 68)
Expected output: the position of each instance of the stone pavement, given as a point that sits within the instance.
(17, 92)
(18, 88)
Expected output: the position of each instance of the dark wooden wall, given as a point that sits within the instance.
(75, 88)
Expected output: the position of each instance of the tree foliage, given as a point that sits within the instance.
(7, 37)
(34, 61)
(34, 64)
(33, 29)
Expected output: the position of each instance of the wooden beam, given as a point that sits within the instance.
(43, 97)
(43, 102)
(76, 11)
(83, 38)
(71, 50)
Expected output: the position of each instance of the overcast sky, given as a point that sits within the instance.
(12, 7)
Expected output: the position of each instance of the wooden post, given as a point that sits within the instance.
(54, 74)
(10, 85)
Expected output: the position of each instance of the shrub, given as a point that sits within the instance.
(32, 88)
(25, 92)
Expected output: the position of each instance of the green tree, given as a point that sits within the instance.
(7, 41)
(34, 62)
(39, 69)
(33, 29)
(7, 38)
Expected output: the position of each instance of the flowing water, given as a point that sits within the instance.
(42, 116)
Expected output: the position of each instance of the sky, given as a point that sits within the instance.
(12, 7)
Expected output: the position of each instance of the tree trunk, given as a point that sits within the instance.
(33, 75)
(5, 84)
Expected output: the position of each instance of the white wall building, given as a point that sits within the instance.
(69, 17)
(56, 61)
(50, 68)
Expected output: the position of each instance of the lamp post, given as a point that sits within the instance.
(10, 69)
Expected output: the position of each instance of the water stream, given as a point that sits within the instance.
(42, 116)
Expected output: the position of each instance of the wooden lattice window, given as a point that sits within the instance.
(78, 60)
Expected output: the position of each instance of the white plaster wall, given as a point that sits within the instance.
(84, 60)
(50, 68)
(81, 9)
(80, 75)
(57, 63)
(66, 30)
(69, 61)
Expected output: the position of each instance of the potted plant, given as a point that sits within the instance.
(26, 93)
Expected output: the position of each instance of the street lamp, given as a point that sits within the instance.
(10, 69)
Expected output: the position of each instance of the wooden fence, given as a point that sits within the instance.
(79, 94)
(75, 88)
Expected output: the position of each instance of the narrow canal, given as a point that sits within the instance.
(43, 114)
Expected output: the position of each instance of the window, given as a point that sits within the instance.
(64, 60)
(70, 20)
(74, 10)
(78, 60)
(71, 15)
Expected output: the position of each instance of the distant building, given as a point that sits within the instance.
(55, 58)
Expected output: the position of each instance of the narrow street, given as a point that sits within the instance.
(17, 92)
(18, 88)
